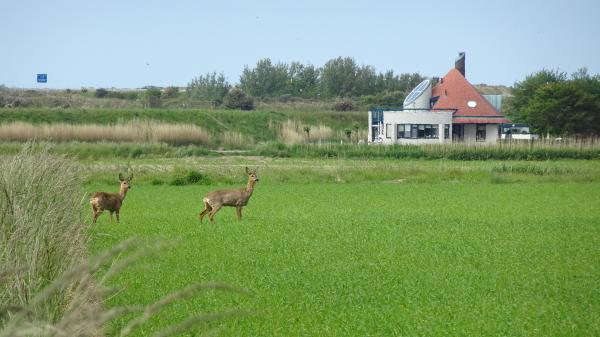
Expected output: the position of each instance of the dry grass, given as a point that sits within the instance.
(292, 132)
(237, 140)
(146, 131)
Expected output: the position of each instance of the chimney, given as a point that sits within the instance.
(459, 64)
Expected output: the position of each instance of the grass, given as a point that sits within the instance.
(142, 131)
(242, 147)
(253, 124)
(459, 257)
(49, 285)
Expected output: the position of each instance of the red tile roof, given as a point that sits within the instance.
(455, 91)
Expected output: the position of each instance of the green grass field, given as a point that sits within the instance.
(452, 257)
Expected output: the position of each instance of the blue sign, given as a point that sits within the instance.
(42, 78)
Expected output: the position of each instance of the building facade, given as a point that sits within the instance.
(452, 111)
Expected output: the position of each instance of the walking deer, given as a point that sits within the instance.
(237, 198)
(111, 202)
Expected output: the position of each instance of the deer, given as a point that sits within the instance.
(111, 202)
(237, 198)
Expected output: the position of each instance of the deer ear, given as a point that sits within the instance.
(130, 177)
(247, 170)
(121, 177)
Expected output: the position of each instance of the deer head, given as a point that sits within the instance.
(125, 182)
(252, 176)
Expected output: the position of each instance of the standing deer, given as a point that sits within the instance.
(111, 202)
(237, 198)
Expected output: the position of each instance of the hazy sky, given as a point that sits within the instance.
(127, 44)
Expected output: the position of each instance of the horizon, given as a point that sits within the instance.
(136, 44)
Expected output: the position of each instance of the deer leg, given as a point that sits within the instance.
(97, 213)
(239, 212)
(117, 214)
(93, 214)
(111, 212)
(214, 211)
(207, 209)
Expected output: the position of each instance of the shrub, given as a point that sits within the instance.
(237, 99)
(101, 93)
(170, 92)
(343, 105)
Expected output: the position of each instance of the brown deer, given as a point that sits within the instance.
(237, 198)
(111, 202)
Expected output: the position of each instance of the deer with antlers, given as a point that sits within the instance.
(111, 202)
(237, 198)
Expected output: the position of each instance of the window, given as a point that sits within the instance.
(431, 131)
(388, 130)
(413, 130)
(400, 131)
(446, 131)
(417, 131)
(480, 134)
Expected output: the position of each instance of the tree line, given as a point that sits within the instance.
(554, 103)
(341, 77)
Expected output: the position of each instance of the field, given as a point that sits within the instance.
(332, 248)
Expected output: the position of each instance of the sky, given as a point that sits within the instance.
(131, 44)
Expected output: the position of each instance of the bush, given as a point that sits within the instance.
(152, 96)
(101, 93)
(237, 99)
(170, 92)
(344, 105)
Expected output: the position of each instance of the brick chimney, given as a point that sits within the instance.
(459, 64)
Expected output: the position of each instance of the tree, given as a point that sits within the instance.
(551, 103)
(303, 79)
(338, 77)
(211, 87)
(265, 80)
(523, 91)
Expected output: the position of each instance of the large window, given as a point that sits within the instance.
(417, 131)
(480, 134)
(446, 131)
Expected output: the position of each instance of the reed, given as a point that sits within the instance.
(143, 131)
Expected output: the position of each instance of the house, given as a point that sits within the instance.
(451, 111)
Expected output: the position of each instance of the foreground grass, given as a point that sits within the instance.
(451, 258)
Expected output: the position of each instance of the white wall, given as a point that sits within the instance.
(417, 117)
(491, 134)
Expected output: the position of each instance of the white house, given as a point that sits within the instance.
(451, 111)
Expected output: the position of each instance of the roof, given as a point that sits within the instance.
(455, 92)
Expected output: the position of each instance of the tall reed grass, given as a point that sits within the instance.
(144, 131)
(41, 232)
(293, 132)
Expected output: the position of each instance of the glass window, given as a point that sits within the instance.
(434, 131)
(421, 132)
(446, 131)
(407, 128)
(388, 130)
(414, 130)
(400, 131)
(480, 134)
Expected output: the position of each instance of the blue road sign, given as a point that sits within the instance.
(42, 78)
